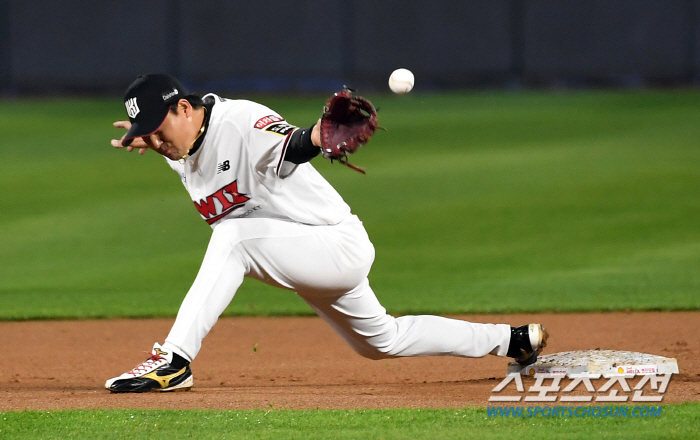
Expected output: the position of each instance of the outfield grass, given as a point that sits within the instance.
(476, 202)
(675, 421)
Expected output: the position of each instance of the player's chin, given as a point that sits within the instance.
(172, 155)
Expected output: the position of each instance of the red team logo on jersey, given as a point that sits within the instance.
(221, 203)
(267, 120)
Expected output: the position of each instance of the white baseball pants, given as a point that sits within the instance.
(327, 266)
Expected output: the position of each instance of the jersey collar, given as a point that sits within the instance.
(209, 105)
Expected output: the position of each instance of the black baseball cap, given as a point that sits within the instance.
(147, 101)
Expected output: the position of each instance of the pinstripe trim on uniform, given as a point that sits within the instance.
(284, 151)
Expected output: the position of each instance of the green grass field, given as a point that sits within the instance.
(482, 202)
(476, 202)
(674, 421)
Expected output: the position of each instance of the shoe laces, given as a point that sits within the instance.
(147, 366)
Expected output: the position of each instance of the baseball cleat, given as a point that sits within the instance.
(526, 342)
(163, 371)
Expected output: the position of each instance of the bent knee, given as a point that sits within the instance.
(369, 351)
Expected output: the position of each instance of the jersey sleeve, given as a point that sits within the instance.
(269, 136)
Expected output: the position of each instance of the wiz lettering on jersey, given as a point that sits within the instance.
(239, 170)
(228, 199)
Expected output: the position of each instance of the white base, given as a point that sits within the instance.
(597, 363)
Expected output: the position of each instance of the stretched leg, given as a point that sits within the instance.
(328, 267)
(363, 323)
(220, 275)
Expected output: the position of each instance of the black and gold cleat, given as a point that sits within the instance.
(163, 371)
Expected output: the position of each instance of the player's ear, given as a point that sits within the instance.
(185, 106)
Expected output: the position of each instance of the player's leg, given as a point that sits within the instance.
(363, 323)
(219, 277)
(279, 253)
(328, 267)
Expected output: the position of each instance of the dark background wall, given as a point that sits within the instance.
(99, 46)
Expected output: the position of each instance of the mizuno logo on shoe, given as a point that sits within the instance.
(160, 352)
(164, 381)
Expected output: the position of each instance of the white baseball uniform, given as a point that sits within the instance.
(285, 225)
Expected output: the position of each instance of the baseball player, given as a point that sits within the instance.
(276, 219)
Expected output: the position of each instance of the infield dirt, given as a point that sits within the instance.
(300, 363)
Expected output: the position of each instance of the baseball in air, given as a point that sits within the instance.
(401, 81)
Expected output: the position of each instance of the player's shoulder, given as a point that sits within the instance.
(244, 113)
(237, 105)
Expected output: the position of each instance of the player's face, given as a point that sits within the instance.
(175, 136)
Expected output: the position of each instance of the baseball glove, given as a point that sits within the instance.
(347, 123)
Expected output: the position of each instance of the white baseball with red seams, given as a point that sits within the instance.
(401, 81)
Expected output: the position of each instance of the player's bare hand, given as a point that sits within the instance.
(137, 143)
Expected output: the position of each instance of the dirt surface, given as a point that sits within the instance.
(263, 363)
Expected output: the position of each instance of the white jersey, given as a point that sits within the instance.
(239, 171)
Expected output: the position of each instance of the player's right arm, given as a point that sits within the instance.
(138, 143)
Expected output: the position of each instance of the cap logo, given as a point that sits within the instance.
(132, 109)
(170, 95)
